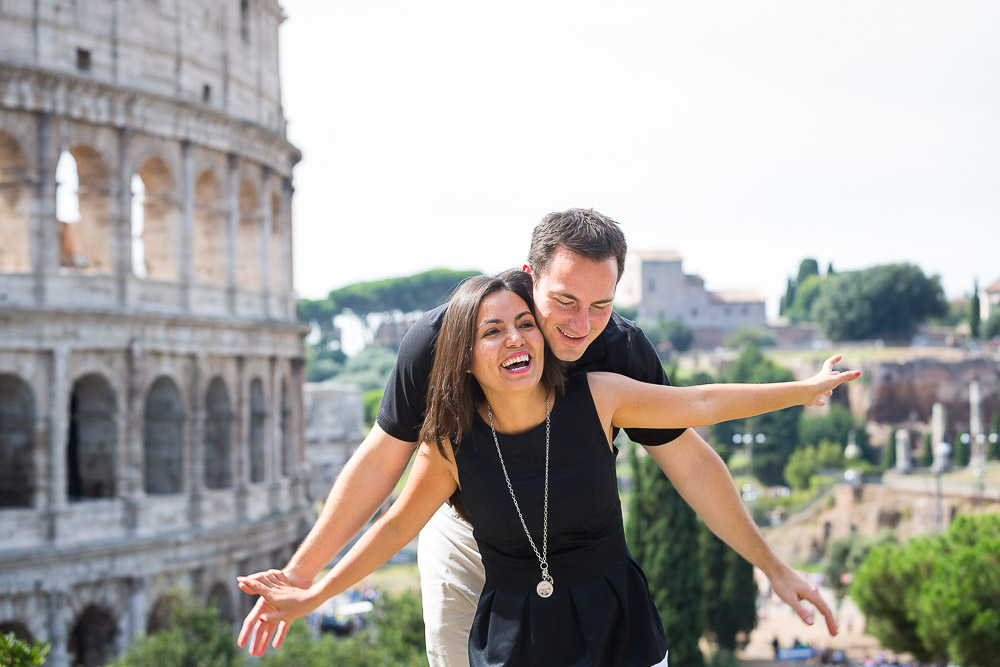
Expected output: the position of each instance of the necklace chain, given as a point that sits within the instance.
(545, 586)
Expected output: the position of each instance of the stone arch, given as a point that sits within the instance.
(221, 597)
(155, 221)
(218, 436)
(258, 429)
(93, 439)
(17, 439)
(161, 612)
(15, 203)
(92, 639)
(287, 441)
(209, 239)
(85, 224)
(18, 628)
(163, 438)
(248, 246)
(279, 266)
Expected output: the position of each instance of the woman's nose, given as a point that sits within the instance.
(515, 338)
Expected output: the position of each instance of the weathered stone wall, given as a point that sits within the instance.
(151, 406)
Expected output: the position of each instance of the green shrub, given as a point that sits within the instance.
(16, 652)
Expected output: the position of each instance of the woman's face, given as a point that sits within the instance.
(508, 348)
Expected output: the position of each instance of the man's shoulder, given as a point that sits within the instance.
(621, 331)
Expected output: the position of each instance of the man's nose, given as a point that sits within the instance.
(580, 322)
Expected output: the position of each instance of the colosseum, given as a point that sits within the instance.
(150, 361)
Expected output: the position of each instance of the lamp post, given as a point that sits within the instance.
(749, 495)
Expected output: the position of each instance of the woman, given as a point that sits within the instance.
(534, 473)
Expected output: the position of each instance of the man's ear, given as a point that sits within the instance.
(526, 268)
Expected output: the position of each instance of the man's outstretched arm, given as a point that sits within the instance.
(703, 480)
(364, 484)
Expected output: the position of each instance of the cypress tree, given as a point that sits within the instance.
(975, 322)
(927, 455)
(663, 538)
(993, 448)
(730, 592)
(960, 453)
(829, 270)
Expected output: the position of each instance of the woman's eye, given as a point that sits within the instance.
(528, 325)
(490, 332)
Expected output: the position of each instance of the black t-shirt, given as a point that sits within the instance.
(621, 348)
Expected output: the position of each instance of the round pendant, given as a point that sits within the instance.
(544, 589)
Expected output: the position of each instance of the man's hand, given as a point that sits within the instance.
(261, 630)
(793, 589)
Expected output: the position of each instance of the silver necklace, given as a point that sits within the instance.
(546, 585)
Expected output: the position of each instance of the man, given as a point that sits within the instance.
(576, 260)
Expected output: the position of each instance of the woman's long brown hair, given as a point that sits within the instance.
(452, 393)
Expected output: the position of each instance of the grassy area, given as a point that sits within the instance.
(394, 578)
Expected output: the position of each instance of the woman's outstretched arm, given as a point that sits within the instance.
(627, 402)
(431, 482)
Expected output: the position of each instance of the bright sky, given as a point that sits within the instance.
(744, 135)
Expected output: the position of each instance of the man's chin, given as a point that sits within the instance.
(568, 353)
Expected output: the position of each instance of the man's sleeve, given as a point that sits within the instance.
(401, 412)
(645, 366)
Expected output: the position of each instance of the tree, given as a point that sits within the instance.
(669, 334)
(936, 596)
(886, 587)
(730, 592)
(195, 636)
(991, 328)
(993, 447)
(805, 296)
(927, 453)
(788, 299)
(807, 268)
(395, 636)
(16, 652)
(889, 457)
(887, 302)
(844, 556)
(751, 337)
(372, 399)
(662, 535)
(369, 368)
(781, 428)
(974, 313)
(960, 454)
(829, 269)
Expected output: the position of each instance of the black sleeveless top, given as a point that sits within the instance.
(601, 612)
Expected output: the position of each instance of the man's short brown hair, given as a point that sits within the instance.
(582, 231)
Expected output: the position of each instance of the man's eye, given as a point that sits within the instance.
(600, 307)
(564, 303)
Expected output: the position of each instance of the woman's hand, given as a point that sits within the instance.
(823, 383)
(285, 600)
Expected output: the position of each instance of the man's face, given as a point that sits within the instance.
(573, 301)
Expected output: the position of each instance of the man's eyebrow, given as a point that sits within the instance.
(573, 298)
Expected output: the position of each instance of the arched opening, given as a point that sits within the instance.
(15, 227)
(155, 219)
(218, 437)
(163, 439)
(278, 262)
(17, 429)
(161, 613)
(258, 429)
(19, 629)
(83, 211)
(248, 257)
(209, 242)
(221, 598)
(287, 449)
(93, 438)
(92, 640)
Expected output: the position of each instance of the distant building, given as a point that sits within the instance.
(991, 300)
(655, 284)
(335, 426)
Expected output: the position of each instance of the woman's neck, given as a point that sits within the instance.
(515, 413)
